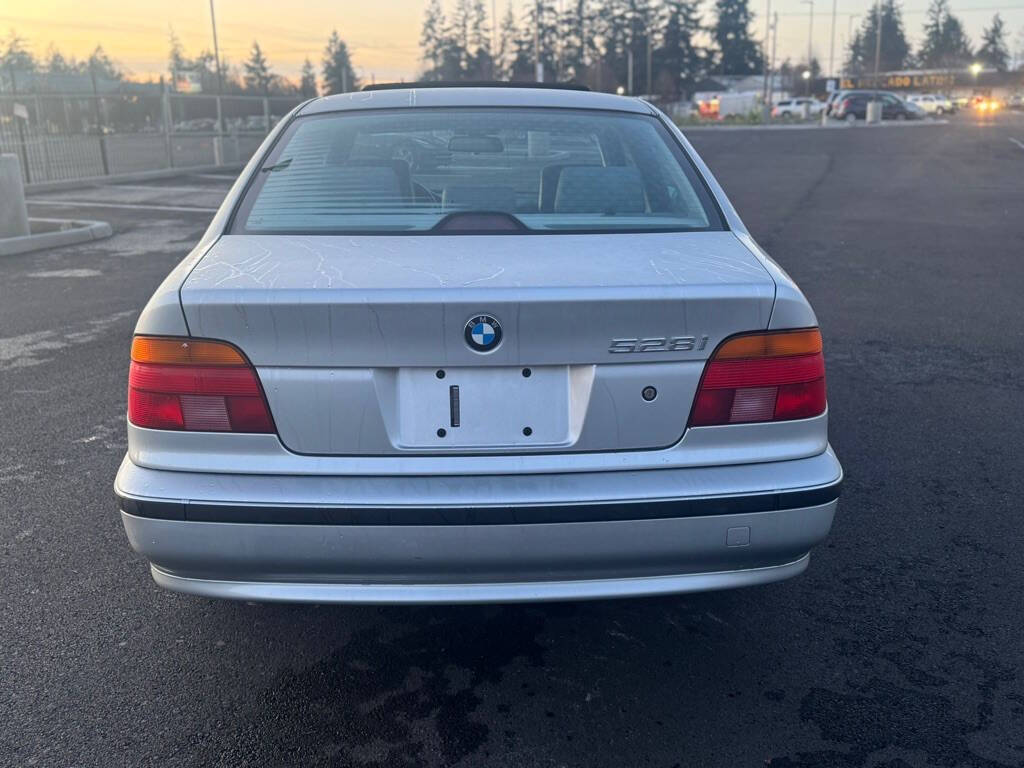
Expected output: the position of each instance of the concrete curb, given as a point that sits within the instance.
(83, 232)
(92, 181)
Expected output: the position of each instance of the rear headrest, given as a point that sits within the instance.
(600, 189)
(478, 197)
(549, 185)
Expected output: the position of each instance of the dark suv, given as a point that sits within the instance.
(854, 105)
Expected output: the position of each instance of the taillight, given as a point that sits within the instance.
(775, 376)
(194, 385)
(846, 105)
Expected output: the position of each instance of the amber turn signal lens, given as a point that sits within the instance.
(804, 342)
(181, 351)
(196, 386)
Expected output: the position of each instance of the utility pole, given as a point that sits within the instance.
(216, 51)
(629, 70)
(220, 77)
(650, 86)
(775, 40)
(764, 58)
(832, 43)
(878, 40)
(538, 65)
(100, 122)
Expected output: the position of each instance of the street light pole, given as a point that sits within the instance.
(810, 40)
(874, 113)
(849, 36)
(832, 44)
(878, 40)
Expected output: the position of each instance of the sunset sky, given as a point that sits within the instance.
(382, 35)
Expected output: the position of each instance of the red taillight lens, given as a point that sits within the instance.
(755, 377)
(194, 385)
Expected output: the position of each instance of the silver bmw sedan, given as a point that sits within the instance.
(475, 344)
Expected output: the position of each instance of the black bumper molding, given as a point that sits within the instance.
(193, 511)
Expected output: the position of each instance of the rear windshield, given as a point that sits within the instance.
(476, 170)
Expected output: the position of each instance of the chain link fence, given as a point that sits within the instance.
(73, 136)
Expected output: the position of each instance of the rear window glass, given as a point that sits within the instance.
(476, 170)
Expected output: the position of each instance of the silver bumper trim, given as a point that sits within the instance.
(420, 594)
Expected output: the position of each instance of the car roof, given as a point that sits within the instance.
(475, 97)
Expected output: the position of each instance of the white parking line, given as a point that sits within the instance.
(214, 177)
(129, 206)
(155, 188)
(1018, 143)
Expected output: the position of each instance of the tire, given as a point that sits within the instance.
(900, 117)
(850, 118)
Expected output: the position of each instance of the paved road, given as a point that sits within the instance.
(901, 646)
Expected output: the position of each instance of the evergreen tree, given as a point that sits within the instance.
(540, 27)
(680, 62)
(994, 52)
(945, 43)
(257, 71)
(432, 40)
(336, 68)
(481, 63)
(504, 57)
(895, 51)
(16, 55)
(307, 80)
(616, 28)
(737, 53)
(459, 31)
(176, 61)
(56, 64)
(958, 45)
(641, 28)
(577, 33)
(100, 64)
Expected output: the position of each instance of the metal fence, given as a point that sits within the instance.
(74, 136)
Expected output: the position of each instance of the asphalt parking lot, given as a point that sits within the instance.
(901, 646)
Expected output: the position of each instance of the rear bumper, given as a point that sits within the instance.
(512, 538)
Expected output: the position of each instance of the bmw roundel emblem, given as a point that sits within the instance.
(483, 333)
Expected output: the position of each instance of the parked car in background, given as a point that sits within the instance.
(725, 106)
(931, 103)
(917, 109)
(987, 104)
(832, 102)
(1016, 101)
(794, 108)
(854, 106)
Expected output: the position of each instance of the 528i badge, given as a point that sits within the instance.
(659, 344)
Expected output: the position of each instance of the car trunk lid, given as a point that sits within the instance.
(359, 340)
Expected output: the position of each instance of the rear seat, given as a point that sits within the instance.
(600, 189)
